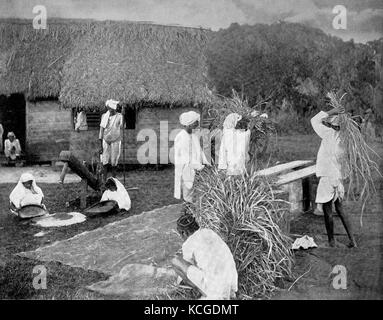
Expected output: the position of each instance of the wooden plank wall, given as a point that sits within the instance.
(48, 130)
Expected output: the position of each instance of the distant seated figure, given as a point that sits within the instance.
(115, 191)
(26, 193)
(81, 121)
(12, 149)
(207, 263)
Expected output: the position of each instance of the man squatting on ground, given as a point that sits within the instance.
(207, 263)
(328, 169)
(110, 138)
(188, 156)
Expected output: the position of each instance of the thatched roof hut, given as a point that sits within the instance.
(85, 62)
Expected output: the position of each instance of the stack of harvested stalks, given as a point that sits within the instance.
(244, 211)
(357, 161)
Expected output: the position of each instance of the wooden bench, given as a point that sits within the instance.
(297, 183)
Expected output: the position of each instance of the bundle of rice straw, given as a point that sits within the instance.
(224, 106)
(245, 213)
(357, 163)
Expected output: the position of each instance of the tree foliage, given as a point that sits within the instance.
(294, 62)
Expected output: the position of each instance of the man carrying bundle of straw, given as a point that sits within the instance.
(207, 263)
(234, 148)
(188, 156)
(330, 172)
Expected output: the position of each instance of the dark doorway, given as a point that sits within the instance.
(12, 116)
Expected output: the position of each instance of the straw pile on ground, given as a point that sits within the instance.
(357, 161)
(244, 211)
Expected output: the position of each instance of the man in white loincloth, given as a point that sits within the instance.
(110, 138)
(207, 263)
(188, 156)
(328, 169)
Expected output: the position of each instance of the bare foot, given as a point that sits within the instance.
(336, 244)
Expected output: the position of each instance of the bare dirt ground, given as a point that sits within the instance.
(42, 175)
(364, 264)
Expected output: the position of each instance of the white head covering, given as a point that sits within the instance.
(11, 134)
(111, 103)
(231, 120)
(188, 118)
(19, 192)
(264, 115)
(121, 196)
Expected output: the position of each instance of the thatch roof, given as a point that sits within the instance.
(85, 62)
(136, 62)
(31, 60)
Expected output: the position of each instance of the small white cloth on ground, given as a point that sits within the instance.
(213, 270)
(121, 196)
(304, 242)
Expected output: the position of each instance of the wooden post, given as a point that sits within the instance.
(306, 193)
(123, 140)
(64, 172)
(79, 168)
(84, 192)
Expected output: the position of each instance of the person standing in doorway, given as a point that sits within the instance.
(1, 136)
(110, 138)
(12, 149)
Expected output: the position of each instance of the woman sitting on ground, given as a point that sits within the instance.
(207, 263)
(26, 193)
(115, 191)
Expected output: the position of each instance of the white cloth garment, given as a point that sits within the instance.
(1, 136)
(111, 153)
(21, 196)
(234, 151)
(81, 122)
(213, 270)
(329, 189)
(330, 152)
(8, 145)
(111, 138)
(188, 118)
(121, 196)
(188, 157)
(328, 166)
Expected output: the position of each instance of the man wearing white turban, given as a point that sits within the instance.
(188, 156)
(110, 137)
